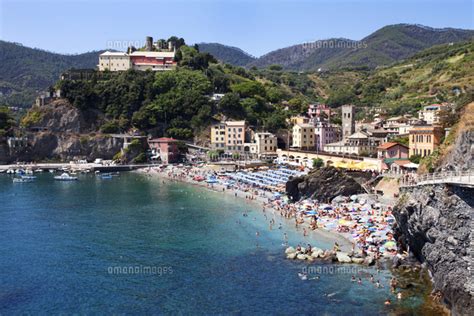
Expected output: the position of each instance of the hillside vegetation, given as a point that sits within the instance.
(178, 104)
(226, 54)
(383, 47)
(25, 71)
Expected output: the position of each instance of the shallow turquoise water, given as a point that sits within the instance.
(67, 247)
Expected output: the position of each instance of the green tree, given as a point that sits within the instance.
(230, 106)
(6, 121)
(318, 163)
(247, 89)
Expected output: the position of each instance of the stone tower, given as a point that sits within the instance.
(348, 120)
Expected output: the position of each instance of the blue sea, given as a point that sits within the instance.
(138, 245)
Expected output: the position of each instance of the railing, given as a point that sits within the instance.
(461, 178)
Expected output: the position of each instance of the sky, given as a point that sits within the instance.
(258, 26)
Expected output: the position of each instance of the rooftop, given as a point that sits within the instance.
(152, 54)
(108, 53)
(358, 135)
(235, 123)
(390, 145)
(304, 125)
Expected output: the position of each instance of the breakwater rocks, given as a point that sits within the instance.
(326, 183)
(434, 223)
(328, 255)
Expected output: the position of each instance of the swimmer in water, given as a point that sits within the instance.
(388, 302)
(399, 295)
(353, 278)
(359, 281)
(372, 278)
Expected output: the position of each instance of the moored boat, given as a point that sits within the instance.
(22, 180)
(65, 177)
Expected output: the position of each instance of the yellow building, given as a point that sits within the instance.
(299, 120)
(218, 136)
(303, 136)
(424, 139)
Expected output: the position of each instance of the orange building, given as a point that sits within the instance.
(424, 139)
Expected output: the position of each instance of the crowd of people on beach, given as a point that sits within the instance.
(361, 220)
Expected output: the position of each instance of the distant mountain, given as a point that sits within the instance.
(385, 46)
(227, 54)
(24, 71)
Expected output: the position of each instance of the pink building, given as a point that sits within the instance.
(166, 148)
(392, 150)
(316, 111)
(325, 134)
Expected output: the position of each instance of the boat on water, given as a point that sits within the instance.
(22, 180)
(65, 177)
(105, 176)
(10, 171)
(28, 177)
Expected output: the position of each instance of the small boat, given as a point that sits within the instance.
(106, 176)
(22, 180)
(51, 170)
(28, 177)
(65, 177)
(10, 171)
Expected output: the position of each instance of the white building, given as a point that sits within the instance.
(430, 113)
(138, 60)
(358, 143)
(114, 61)
(303, 136)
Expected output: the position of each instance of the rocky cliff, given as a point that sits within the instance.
(326, 183)
(59, 131)
(434, 223)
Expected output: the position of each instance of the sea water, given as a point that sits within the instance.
(140, 245)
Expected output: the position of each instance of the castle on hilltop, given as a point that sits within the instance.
(153, 57)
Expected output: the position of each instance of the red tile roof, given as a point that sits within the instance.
(390, 145)
(401, 162)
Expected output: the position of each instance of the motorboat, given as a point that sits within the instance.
(22, 180)
(65, 177)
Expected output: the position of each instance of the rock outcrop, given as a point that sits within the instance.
(66, 146)
(434, 222)
(325, 184)
(59, 131)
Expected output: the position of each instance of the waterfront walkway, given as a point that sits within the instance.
(457, 178)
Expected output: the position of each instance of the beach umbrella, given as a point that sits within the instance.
(344, 222)
(390, 244)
